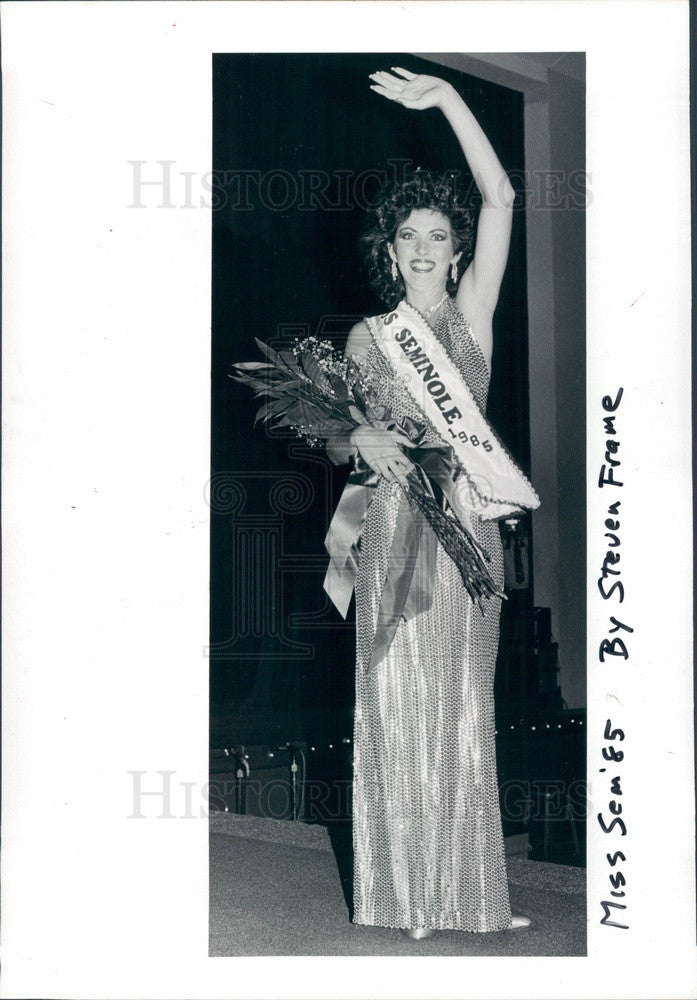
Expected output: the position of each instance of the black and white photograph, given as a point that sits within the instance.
(347, 500)
(365, 734)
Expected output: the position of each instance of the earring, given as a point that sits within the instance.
(453, 271)
(395, 272)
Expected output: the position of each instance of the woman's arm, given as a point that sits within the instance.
(380, 449)
(478, 290)
(479, 286)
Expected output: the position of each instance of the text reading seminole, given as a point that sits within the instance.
(433, 382)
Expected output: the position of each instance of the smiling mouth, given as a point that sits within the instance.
(422, 266)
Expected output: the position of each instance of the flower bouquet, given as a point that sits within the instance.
(321, 393)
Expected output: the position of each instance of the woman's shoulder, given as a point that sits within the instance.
(358, 340)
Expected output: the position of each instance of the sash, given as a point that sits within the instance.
(492, 485)
(471, 467)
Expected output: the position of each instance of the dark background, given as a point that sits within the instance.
(285, 264)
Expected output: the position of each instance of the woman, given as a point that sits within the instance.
(428, 843)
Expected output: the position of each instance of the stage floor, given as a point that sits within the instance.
(276, 889)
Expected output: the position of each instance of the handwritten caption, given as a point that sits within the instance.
(616, 644)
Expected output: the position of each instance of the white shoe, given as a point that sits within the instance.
(519, 920)
(418, 933)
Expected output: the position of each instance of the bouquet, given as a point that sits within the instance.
(319, 392)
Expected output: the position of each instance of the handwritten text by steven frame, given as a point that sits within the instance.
(614, 645)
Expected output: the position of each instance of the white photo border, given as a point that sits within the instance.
(106, 318)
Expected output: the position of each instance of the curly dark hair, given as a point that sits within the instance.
(420, 189)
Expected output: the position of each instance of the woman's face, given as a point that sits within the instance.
(424, 250)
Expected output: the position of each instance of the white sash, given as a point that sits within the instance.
(493, 485)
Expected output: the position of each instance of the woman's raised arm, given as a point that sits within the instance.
(479, 287)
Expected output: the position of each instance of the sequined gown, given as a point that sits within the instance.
(428, 844)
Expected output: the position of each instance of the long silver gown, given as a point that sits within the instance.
(427, 837)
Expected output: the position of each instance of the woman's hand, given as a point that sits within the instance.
(413, 90)
(380, 449)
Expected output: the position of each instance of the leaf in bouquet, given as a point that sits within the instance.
(310, 366)
(340, 388)
(326, 428)
(322, 398)
(285, 421)
(282, 388)
(290, 387)
(253, 383)
(360, 397)
(290, 361)
(281, 405)
(269, 352)
(357, 415)
(263, 390)
(412, 427)
(318, 414)
(293, 385)
(301, 413)
(263, 412)
(314, 372)
(294, 413)
(343, 410)
(273, 394)
(308, 415)
(273, 410)
(252, 365)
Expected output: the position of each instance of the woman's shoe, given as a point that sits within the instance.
(519, 920)
(418, 933)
